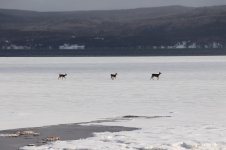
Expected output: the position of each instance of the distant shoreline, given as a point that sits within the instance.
(108, 52)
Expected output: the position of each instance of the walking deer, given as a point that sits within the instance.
(62, 76)
(113, 76)
(155, 75)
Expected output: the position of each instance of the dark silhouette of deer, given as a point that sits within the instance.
(113, 76)
(62, 76)
(155, 75)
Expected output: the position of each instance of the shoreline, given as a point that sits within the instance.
(126, 52)
(63, 131)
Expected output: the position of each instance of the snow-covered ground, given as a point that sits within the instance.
(185, 109)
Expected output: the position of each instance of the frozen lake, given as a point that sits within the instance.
(185, 109)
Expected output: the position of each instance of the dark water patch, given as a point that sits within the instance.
(131, 116)
(124, 118)
(145, 117)
(64, 131)
(186, 146)
(67, 132)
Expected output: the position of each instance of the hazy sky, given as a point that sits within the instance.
(66, 5)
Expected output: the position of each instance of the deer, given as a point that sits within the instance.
(62, 76)
(155, 75)
(113, 76)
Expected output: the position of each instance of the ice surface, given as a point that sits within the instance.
(191, 90)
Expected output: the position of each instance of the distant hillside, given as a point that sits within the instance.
(172, 26)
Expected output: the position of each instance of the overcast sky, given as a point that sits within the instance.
(67, 5)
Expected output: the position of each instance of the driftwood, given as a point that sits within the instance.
(20, 133)
(51, 139)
